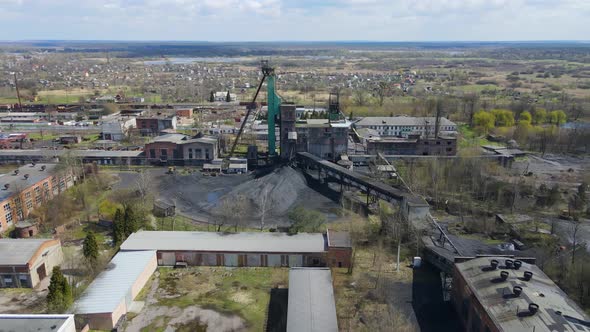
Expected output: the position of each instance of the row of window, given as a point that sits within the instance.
(412, 128)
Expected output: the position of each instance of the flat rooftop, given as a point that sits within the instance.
(112, 285)
(311, 305)
(17, 183)
(557, 312)
(36, 323)
(225, 242)
(19, 251)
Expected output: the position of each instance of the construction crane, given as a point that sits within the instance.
(273, 105)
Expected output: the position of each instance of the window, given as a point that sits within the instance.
(9, 217)
(37, 191)
(38, 200)
(190, 153)
(29, 204)
(198, 153)
(24, 280)
(6, 207)
(164, 152)
(7, 280)
(152, 153)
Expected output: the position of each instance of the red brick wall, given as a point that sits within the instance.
(158, 146)
(339, 257)
(188, 113)
(147, 123)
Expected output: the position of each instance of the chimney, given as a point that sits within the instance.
(508, 263)
(528, 275)
(517, 290)
(533, 308)
(504, 275)
(494, 263)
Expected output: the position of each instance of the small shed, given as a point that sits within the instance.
(26, 228)
(164, 209)
(237, 169)
(70, 139)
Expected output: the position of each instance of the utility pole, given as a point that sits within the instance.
(20, 105)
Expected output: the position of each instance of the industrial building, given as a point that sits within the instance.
(311, 305)
(413, 145)
(117, 128)
(26, 188)
(26, 262)
(503, 294)
(36, 323)
(324, 138)
(244, 249)
(154, 125)
(180, 149)
(109, 296)
(403, 126)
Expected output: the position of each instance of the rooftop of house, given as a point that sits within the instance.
(402, 121)
(35, 323)
(20, 251)
(556, 311)
(339, 239)
(12, 183)
(226, 242)
(311, 305)
(182, 139)
(112, 285)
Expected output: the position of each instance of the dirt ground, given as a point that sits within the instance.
(197, 195)
(24, 300)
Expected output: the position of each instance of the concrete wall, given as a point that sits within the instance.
(53, 258)
(144, 277)
(193, 258)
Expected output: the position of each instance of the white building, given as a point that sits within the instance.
(402, 126)
(222, 95)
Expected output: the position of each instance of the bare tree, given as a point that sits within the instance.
(382, 90)
(574, 238)
(360, 97)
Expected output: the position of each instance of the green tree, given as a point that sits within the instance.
(525, 118)
(212, 97)
(557, 117)
(540, 116)
(59, 296)
(131, 224)
(484, 120)
(554, 196)
(351, 116)
(90, 247)
(504, 118)
(228, 97)
(304, 220)
(118, 228)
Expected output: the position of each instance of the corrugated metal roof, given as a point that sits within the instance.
(311, 305)
(18, 251)
(228, 242)
(510, 313)
(111, 286)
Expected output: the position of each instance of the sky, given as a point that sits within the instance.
(295, 20)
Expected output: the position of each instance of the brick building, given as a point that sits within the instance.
(26, 188)
(154, 125)
(180, 149)
(245, 249)
(493, 294)
(413, 145)
(26, 262)
(184, 113)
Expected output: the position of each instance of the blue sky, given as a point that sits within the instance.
(263, 20)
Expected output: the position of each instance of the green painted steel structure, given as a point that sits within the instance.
(274, 106)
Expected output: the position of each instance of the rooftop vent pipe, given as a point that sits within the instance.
(33, 164)
(6, 186)
(528, 275)
(508, 263)
(494, 263)
(26, 176)
(533, 308)
(16, 171)
(504, 275)
(517, 290)
(517, 264)
(43, 167)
